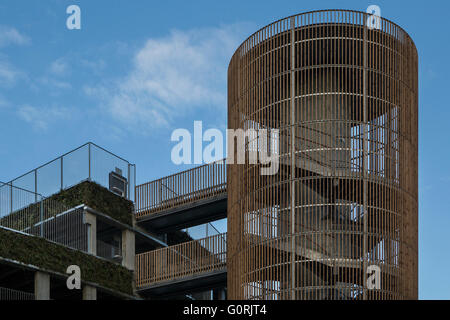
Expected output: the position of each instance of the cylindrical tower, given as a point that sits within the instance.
(338, 220)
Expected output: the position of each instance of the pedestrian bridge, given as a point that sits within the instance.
(187, 198)
(179, 268)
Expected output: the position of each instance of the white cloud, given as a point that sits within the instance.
(10, 35)
(40, 117)
(95, 66)
(8, 74)
(173, 75)
(54, 83)
(59, 67)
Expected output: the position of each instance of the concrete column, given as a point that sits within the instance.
(89, 293)
(91, 221)
(222, 294)
(41, 286)
(128, 249)
(133, 220)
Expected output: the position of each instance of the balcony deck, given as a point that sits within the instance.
(193, 265)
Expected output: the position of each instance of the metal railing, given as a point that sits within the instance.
(7, 294)
(181, 188)
(182, 260)
(203, 230)
(88, 162)
(109, 251)
(28, 212)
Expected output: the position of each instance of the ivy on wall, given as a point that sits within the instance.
(98, 198)
(89, 193)
(54, 257)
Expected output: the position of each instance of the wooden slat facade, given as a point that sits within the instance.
(344, 98)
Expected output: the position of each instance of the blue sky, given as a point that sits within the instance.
(139, 69)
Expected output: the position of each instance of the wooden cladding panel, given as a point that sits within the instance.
(344, 99)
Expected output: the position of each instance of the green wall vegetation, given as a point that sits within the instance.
(54, 257)
(89, 193)
(98, 198)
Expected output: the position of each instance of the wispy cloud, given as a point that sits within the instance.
(9, 35)
(59, 67)
(54, 84)
(41, 117)
(171, 76)
(96, 66)
(8, 73)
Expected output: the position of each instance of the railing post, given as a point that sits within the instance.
(41, 214)
(62, 182)
(11, 198)
(89, 160)
(129, 195)
(35, 186)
